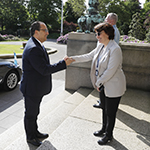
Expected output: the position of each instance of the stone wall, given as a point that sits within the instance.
(136, 62)
(136, 65)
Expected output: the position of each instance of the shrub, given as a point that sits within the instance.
(1, 38)
(53, 35)
(123, 38)
(136, 27)
(69, 26)
(147, 21)
(130, 39)
(148, 36)
(63, 39)
(8, 37)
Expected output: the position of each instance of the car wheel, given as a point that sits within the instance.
(11, 80)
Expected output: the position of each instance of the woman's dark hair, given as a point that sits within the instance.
(35, 26)
(107, 28)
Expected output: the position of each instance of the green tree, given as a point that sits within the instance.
(103, 7)
(120, 9)
(147, 21)
(146, 6)
(78, 7)
(130, 8)
(136, 27)
(148, 36)
(12, 14)
(147, 14)
(69, 14)
(147, 1)
(47, 11)
(124, 10)
(133, 6)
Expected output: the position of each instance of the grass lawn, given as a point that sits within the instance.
(10, 49)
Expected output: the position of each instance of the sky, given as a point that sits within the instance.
(141, 1)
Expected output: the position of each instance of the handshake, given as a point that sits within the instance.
(68, 60)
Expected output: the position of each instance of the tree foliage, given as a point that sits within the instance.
(147, 21)
(69, 27)
(147, 15)
(16, 14)
(78, 7)
(136, 27)
(147, 6)
(148, 36)
(45, 10)
(69, 14)
(12, 15)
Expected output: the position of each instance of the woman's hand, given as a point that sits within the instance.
(98, 89)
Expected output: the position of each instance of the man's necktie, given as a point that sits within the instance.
(44, 48)
(45, 51)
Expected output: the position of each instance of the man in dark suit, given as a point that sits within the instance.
(36, 79)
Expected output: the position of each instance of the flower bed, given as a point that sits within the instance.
(63, 39)
(123, 38)
(130, 39)
(8, 37)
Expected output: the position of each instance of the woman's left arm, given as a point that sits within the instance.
(114, 61)
(85, 57)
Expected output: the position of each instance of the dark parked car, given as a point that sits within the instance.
(10, 74)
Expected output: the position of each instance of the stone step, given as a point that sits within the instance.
(70, 131)
(131, 131)
(17, 130)
(49, 121)
(72, 123)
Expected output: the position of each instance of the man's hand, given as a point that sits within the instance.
(68, 60)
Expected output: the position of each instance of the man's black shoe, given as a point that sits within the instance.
(41, 135)
(98, 105)
(35, 142)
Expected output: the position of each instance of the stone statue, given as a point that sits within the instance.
(87, 22)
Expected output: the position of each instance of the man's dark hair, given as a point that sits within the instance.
(35, 26)
(107, 28)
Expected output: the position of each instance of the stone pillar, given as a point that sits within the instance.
(78, 74)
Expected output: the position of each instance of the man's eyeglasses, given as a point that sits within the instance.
(44, 30)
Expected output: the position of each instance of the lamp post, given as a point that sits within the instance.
(18, 30)
(61, 33)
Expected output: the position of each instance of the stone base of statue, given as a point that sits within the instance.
(78, 74)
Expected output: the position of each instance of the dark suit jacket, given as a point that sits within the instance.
(37, 70)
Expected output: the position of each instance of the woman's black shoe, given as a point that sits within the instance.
(98, 105)
(99, 133)
(41, 135)
(35, 142)
(104, 140)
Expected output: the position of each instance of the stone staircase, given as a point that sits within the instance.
(70, 120)
(53, 113)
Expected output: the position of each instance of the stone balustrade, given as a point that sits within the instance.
(136, 62)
